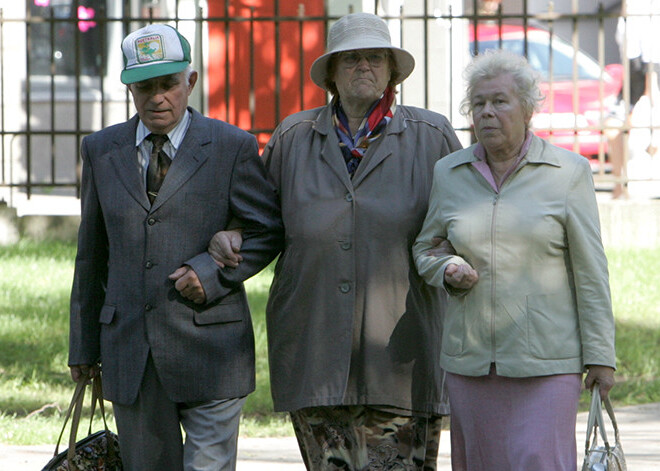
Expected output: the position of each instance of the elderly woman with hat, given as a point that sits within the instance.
(529, 307)
(353, 331)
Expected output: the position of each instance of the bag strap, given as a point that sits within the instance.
(74, 412)
(610, 413)
(78, 396)
(97, 396)
(595, 421)
(75, 422)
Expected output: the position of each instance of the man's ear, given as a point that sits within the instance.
(192, 80)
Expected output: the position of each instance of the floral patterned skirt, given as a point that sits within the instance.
(364, 438)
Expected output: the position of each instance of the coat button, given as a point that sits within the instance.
(151, 221)
(149, 264)
(345, 245)
(344, 287)
(349, 197)
(148, 307)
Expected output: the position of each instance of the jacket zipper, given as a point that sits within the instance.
(493, 277)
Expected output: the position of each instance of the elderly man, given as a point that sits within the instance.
(170, 329)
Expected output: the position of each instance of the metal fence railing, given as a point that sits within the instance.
(60, 63)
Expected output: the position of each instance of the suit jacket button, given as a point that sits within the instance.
(148, 264)
(344, 287)
(151, 221)
(148, 307)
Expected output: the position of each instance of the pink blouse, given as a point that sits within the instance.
(484, 169)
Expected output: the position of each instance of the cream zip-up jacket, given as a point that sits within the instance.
(542, 303)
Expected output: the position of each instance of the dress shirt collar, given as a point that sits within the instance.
(175, 136)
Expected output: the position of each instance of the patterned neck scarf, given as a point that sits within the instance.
(374, 122)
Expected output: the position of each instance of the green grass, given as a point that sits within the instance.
(635, 284)
(35, 388)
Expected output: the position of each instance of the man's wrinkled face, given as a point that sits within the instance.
(161, 101)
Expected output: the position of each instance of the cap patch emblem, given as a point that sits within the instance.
(150, 48)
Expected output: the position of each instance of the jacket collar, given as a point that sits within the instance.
(323, 122)
(191, 155)
(123, 155)
(332, 155)
(535, 155)
(193, 152)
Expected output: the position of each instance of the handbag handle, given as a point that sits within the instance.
(97, 396)
(595, 420)
(610, 413)
(76, 403)
(75, 411)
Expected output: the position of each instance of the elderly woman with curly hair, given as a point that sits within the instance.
(529, 305)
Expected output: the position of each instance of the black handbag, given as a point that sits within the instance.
(98, 451)
(605, 457)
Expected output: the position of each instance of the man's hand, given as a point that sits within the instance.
(440, 247)
(603, 375)
(188, 285)
(461, 276)
(83, 372)
(224, 248)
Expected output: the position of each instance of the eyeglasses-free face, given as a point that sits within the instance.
(500, 122)
(162, 101)
(375, 57)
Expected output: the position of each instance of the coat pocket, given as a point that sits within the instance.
(453, 330)
(107, 314)
(228, 309)
(553, 328)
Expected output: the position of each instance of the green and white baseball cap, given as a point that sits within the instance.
(153, 51)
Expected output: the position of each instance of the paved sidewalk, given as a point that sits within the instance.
(639, 427)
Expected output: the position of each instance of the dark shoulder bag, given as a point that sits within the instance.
(98, 451)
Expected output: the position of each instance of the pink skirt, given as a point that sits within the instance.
(513, 424)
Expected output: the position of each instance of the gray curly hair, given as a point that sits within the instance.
(496, 62)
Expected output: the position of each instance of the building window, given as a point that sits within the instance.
(63, 24)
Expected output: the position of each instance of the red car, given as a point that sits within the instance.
(560, 118)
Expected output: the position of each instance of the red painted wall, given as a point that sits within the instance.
(237, 61)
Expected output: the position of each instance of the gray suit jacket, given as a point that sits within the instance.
(122, 303)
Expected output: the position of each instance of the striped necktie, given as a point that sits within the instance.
(159, 163)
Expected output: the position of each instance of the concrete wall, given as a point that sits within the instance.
(625, 223)
(12, 227)
(630, 223)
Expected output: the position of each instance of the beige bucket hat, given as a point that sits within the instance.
(360, 31)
